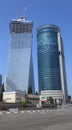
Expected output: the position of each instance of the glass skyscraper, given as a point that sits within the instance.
(20, 74)
(51, 68)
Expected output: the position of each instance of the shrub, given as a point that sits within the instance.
(24, 103)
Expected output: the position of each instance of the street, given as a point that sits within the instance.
(36, 120)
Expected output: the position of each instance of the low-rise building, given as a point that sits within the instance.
(34, 99)
(56, 95)
(13, 97)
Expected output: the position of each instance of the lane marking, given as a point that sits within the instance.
(60, 113)
(22, 111)
(1, 112)
(31, 111)
(37, 111)
(8, 112)
(15, 112)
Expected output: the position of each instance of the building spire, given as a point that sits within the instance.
(25, 9)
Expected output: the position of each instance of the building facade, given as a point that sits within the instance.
(13, 97)
(20, 63)
(51, 64)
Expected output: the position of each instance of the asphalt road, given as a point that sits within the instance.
(36, 120)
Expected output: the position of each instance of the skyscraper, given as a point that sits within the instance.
(51, 64)
(20, 63)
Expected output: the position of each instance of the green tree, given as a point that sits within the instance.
(51, 101)
(1, 93)
(24, 103)
(2, 90)
(36, 93)
(1, 96)
(30, 90)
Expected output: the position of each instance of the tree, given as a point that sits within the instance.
(2, 90)
(51, 101)
(24, 103)
(36, 93)
(0, 96)
(30, 90)
(1, 93)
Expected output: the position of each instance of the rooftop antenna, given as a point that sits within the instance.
(25, 9)
(16, 13)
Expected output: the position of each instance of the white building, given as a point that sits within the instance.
(56, 95)
(13, 97)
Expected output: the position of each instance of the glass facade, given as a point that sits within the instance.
(48, 58)
(20, 69)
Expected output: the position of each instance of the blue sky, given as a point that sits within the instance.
(41, 12)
